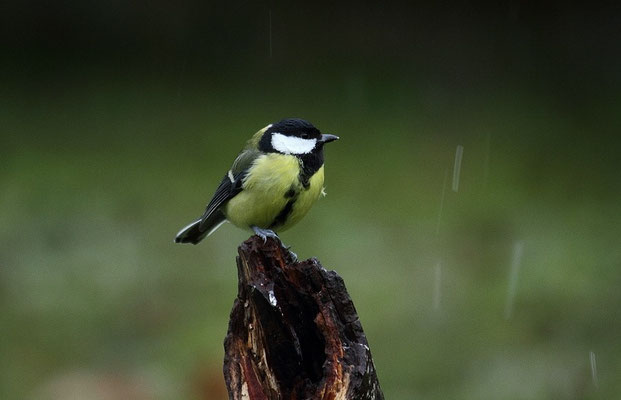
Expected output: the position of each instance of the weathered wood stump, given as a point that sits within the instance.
(294, 332)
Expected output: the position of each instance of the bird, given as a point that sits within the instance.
(272, 184)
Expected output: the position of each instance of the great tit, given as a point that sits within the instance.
(272, 184)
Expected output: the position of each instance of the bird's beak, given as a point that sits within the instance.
(326, 138)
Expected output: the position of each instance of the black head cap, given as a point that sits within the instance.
(295, 127)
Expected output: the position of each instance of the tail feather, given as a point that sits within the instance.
(193, 233)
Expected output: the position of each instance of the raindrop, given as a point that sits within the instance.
(594, 369)
(272, 298)
(516, 260)
(459, 153)
(437, 286)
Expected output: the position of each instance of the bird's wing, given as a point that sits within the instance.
(231, 184)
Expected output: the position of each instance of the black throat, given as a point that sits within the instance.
(309, 164)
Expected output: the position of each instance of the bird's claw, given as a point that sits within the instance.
(288, 248)
(265, 233)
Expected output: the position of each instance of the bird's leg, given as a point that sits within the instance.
(264, 233)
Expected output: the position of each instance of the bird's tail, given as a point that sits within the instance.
(193, 233)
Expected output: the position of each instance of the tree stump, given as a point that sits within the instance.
(294, 332)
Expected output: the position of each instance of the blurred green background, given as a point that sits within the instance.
(118, 119)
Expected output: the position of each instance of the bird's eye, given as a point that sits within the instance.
(305, 136)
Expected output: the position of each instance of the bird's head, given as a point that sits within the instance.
(293, 136)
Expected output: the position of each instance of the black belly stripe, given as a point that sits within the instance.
(309, 164)
(290, 193)
(282, 216)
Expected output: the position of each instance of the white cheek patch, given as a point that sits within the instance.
(291, 144)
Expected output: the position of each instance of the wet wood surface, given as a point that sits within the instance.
(294, 332)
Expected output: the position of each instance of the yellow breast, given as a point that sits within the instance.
(267, 190)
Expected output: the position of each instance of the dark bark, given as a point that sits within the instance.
(294, 332)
